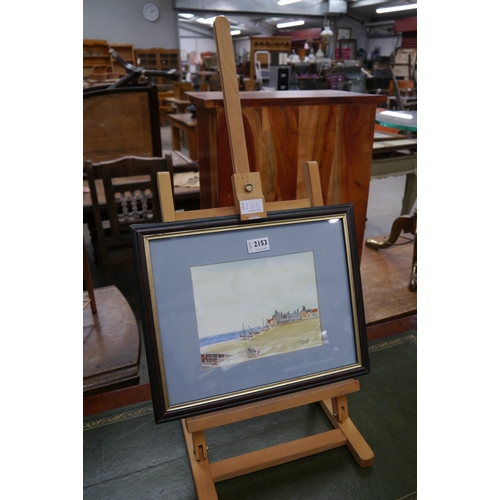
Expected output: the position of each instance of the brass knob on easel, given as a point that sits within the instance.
(248, 187)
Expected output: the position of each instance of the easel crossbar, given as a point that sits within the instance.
(279, 403)
(276, 455)
(332, 399)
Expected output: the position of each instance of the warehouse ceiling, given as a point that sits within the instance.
(260, 17)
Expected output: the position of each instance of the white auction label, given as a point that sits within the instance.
(251, 206)
(258, 245)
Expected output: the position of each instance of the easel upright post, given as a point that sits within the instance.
(247, 188)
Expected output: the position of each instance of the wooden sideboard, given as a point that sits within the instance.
(283, 130)
(269, 44)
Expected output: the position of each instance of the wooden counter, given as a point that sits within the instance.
(283, 130)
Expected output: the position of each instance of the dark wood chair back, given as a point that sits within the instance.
(121, 122)
(123, 192)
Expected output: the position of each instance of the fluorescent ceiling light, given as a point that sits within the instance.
(208, 20)
(186, 16)
(397, 115)
(383, 10)
(289, 24)
(286, 2)
(235, 32)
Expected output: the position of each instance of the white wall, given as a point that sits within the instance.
(241, 46)
(121, 21)
(190, 42)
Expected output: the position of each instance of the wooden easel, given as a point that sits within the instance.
(250, 203)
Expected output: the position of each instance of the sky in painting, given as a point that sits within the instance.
(229, 294)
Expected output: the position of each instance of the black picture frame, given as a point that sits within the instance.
(203, 276)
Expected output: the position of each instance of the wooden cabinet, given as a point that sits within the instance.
(283, 130)
(160, 59)
(95, 53)
(272, 44)
(126, 52)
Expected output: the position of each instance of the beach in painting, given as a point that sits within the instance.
(279, 339)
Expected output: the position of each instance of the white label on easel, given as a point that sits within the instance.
(258, 245)
(251, 206)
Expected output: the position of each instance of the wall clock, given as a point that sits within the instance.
(151, 12)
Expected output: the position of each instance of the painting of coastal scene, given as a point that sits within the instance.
(254, 308)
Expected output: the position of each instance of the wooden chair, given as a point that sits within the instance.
(121, 122)
(123, 192)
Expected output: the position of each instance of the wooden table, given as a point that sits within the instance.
(385, 276)
(207, 76)
(180, 104)
(397, 157)
(111, 343)
(283, 130)
(186, 123)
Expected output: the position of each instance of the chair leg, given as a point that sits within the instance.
(403, 224)
(410, 195)
(413, 280)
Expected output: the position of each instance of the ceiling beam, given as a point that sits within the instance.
(355, 4)
(242, 7)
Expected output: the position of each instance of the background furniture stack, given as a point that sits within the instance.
(272, 44)
(159, 59)
(97, 60)
(95, 53)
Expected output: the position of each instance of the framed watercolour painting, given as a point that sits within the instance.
(235, 312)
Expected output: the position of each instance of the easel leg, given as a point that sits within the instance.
(196, 448)
(337, 411)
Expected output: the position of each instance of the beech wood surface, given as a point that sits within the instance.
(202, 475)
(355, 442)
(279, 403)
(166, 202)
(312, 183)
(232, 106)
(276, 455)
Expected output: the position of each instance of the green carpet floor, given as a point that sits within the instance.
(128, 457)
